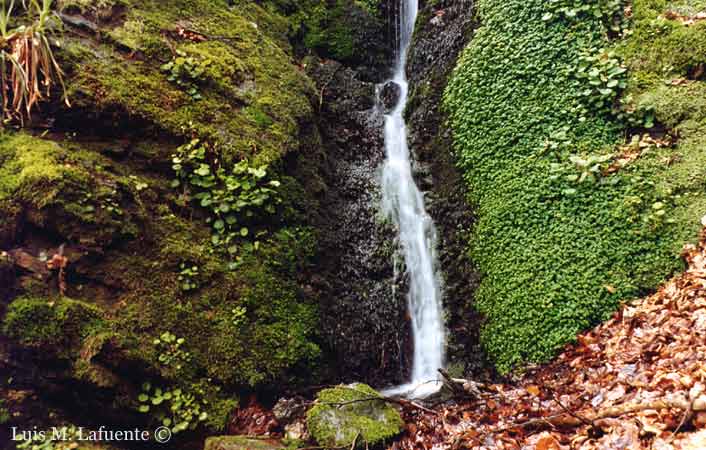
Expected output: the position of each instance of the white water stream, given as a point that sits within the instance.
(403, 203)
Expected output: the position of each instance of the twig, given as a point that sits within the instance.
(568, 420)
(398, 401)
(354, 440)
(687, 414)
(571, 413)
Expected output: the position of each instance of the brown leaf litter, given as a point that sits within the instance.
(637, 381)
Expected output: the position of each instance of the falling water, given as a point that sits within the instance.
(403, 203)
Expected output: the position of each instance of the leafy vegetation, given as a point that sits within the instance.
(170, 350)
(186, 71)
(569, 223)
(176, 409)
(235, 197)
(187, 277)
(28, 70)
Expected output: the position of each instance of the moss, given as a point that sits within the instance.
(57, 325)
(662, 46)
(371, 422)
(25, 164)
(61, 187)
(558, 256)
(241, 443)
(244, 67)
(109, 193)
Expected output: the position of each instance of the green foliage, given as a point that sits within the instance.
(235, 197)
(602, 78)
(238, 315)
(346, 413)
(170, 352)
(558, 255)
(609, 11)
(4, 413)
(187, 72)
(581, 169)
(328, 31)
(37, 442)
(187, 277)
(371, 6)
(176, 409)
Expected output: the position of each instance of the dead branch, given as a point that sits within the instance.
(398, 401)
(676, 401)
(462, 387)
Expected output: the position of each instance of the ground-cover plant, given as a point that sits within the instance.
(170, 350)
(186, 72)
(558, 252)
(173, 408)
(601, 79)
(28, 70)
(235, 197)
(188, 277)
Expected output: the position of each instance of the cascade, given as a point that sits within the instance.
(403, 204)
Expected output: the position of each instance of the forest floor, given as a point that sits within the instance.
(637, 381)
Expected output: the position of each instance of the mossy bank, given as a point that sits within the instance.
(157, 235)
(578, 131)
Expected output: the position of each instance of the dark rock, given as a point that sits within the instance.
(389, 96)
(363, 315)
(7, 275)
(286, 410)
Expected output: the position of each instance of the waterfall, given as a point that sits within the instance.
(403, 203)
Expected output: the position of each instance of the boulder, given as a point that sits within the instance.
(241, 443)
(349, 413)
(390, 96)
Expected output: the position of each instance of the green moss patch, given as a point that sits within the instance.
(560, 249)
(54, 325)
(241, 68)
(241, 443)
(339, 417)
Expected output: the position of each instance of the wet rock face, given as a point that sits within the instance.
(443, 30)
(363, 311)
(389, 96)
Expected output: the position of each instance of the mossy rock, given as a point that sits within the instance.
(61, 187)
(241, 443)
(54, 325)
(343, 414)
(238, 86)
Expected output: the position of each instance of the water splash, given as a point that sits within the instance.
(403, 203)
